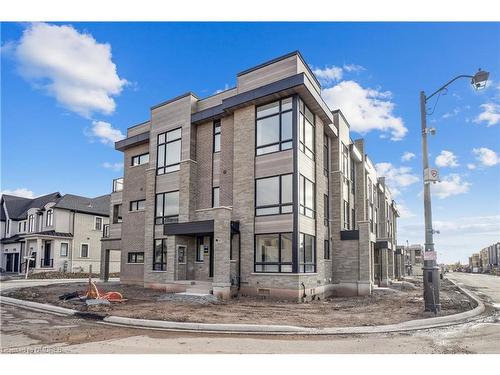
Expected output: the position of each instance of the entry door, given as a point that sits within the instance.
(181, 262)
(16, 262)
(46, 254)
(8, 262)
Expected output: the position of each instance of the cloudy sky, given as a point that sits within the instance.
(70, 90)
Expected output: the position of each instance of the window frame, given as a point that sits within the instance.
(61, 248)
(326, 209)
(165, 144)
(214, 189)
(81, 250)
(280, 203)
(279, 114)
(96, 218)
(132, 257)
(165, 219)
(31, 223)
(134, 205)
(279, 263)
(200, 241)
(326, 155)
(49, 218)
(217, 127)
(303, 235)
(138, 157)
(326, 249)
(302, 131)
(164, 250)
(302, 205)
(118, 219)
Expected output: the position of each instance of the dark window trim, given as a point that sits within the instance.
(216, 125)
(132, 257)
(279, 114)
(280, 205)
(314, 254)
(326, 209)
(326, 155)
(138, 157)
(302, 145)
(326, 249)
(134, 205)
(280, 263)
(213, 196)
(163, 264)
(165, 219)
(158, 144)
(303, 207)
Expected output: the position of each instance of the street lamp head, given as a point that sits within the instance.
(479, 79)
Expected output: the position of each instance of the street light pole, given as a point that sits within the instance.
(430, 269)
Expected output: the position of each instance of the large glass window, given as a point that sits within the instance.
(167, 207)
(117, 213)
(98, 223)
(273, 252)
(140, 159)
(306, 130)
(64, 249)
(274, 126)
(135, 257)
(217, 136)
(137, 205)
(326, 155)
(160, 255)
(274, 195)
(31, 223)
(169, 151)
(345, 161)
(306, 197)
(307, 253)
(215, 197)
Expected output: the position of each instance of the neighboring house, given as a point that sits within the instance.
(257, 190)
(59, 232)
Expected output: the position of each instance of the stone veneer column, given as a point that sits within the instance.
(222, 264)
(187, 190)
(364, 282)
(390, 262)
(384, 278)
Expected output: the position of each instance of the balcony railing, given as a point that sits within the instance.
(117, 184)
(105, 231)
(46, 263)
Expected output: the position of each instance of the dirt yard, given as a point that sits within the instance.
(384, 306)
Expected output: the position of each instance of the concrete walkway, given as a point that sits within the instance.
(441, 321)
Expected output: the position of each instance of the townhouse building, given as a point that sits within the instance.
(58, 232)
(257, 190)
(413, 259)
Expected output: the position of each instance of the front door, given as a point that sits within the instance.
(16, 262)
(181, 262)
(8, 262)
(46, 255)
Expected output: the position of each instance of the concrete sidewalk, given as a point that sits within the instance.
(412, 325)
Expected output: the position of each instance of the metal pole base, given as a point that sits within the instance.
(431, 288)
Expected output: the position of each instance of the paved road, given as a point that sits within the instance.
(27, 332)
(485, 286)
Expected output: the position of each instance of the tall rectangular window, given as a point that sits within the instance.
(139, 159)
(347, 212)
(137, 205)
(64, 249)
(274, 126)
(135, 257)
(307, 197)
(31, 223)
(84, 251)
(274, 195)
(50, 216)
(273, 252)
(160, 255)
(345, 161)
(326, 249)
(306, 130)
(20, 227)
(215, 197)
(167, 207)
(98, 223)
(169, 151)
(326, 207)
(217, 136)
(307, 253)
(326, 155)
(117, 213)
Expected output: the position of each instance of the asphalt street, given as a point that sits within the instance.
(24, 331)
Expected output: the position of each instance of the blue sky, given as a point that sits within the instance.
(55, 139)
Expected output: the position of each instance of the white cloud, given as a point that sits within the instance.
(471, 166)
(396, 177)
(447, 159)
(404, 211)
(71, 66)
(366, 109)
(20, 192)
(353, 68)
(450, 185)
(328, 75)
(490, 114)
(407, 156)
(453, 113)
(486, 157)
(113, 166)
(226, 87)
(477, 224)
(105, 132)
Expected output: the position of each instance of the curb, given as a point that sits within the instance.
(412, 325)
